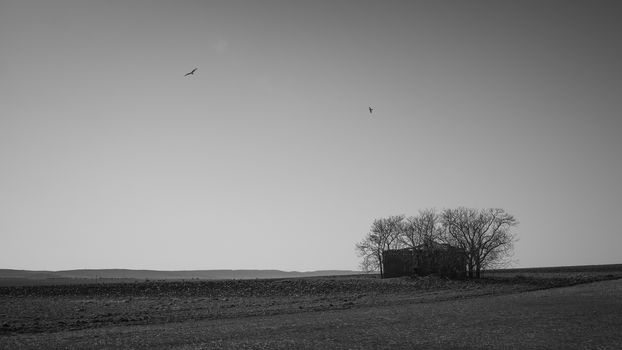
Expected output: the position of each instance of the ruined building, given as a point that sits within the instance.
(423, 260)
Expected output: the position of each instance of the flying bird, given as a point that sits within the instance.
(190, 73)
(371, 110)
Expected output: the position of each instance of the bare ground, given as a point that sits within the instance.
(323, 313)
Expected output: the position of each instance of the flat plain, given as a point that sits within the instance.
(570, 308)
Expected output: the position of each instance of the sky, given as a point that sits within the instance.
(268, 158)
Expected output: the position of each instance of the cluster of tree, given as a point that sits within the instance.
(484, 234)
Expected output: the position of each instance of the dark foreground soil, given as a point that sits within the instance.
(342, 312)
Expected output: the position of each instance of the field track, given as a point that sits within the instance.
(585, 316)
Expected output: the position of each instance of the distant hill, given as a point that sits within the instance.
(165, 275)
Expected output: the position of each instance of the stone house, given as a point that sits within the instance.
(434, 258)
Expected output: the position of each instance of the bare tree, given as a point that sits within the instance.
(383, 235)
(422, 229)
(369, 250)
(484, 234)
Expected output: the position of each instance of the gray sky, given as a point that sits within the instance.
(268, 157)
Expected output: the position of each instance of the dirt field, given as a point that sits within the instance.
(514, 312)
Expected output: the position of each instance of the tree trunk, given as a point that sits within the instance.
(381, 266)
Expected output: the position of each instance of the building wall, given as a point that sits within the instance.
(447, 261)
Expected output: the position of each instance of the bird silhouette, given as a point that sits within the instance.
(190, 73)
(371, 110)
